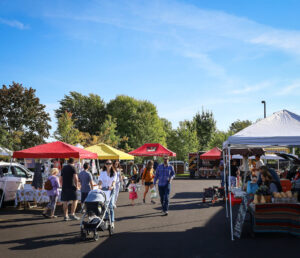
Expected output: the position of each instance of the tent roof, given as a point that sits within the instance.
(107, 152)
(152, 149)
(5, 152)
(280, 129)
(55, 150)
(212, 154)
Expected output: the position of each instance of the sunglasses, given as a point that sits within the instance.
(108, 163)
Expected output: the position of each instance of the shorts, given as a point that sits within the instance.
(83, 196)
(148, 183)
(68, 195)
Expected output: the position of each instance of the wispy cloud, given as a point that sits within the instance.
(13, 23)
(292, 88)
(252, 88)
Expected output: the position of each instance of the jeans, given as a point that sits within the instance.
(111, 207)
(164, 192)
(52, 203)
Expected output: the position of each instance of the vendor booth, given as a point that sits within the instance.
(209, 163)
(152, 149)
(280, 129)
(54, 150)
(105, 152)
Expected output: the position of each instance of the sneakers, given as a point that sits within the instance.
(74, 217)
(112, 225)
(165, 213)
(153, 202)
(67, 218)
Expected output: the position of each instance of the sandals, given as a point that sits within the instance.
(53, 217)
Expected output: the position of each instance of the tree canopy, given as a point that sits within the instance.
(183, 140)
(136, 119)
(239, 125)
(205, 126)
(66, 131)
(88, 112)
(22, 117)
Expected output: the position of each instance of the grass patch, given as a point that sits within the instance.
(183, 175)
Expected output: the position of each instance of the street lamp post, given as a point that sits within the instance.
(264, 102)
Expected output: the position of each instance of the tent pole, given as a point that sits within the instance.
(230, 204)
(224, 171)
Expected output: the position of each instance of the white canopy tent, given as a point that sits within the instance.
(5, 152)
(280, 129)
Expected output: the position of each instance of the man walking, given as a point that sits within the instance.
(164, 174)
(69, 183)
(86, 183)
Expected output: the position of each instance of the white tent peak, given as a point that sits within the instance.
(280, 129)
(281, 123)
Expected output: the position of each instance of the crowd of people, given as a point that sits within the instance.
(110, 179)
(251, 175)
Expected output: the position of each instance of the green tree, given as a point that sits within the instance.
(108, 133)
(183, 140)
(136, 119)
(88, 112)
(22, 117)
(218, 138)
(205, 126)
(239, 125)
(66, 131)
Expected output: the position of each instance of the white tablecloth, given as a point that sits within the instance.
(39, 196)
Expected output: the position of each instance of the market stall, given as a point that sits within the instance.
(53, 150)
(152, 149)
(280, 129)
(209, 163)
(105, 152)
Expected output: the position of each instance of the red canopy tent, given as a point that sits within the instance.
(152, 149)
(55, 150)
(212, 154)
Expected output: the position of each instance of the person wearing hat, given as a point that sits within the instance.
(164, 174)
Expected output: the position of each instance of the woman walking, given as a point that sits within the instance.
(53, 194)
(118, 169)
(147, 179)
(107, 181)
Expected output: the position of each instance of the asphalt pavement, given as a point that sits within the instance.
(192, 229)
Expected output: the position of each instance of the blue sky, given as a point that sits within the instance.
(225, 56)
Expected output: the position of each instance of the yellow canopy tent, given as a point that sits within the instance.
(107, 152)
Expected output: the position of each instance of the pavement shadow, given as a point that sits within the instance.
(44, 241)
(188, 195)
(211, 240)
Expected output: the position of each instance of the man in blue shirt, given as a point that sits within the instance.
(164, 174)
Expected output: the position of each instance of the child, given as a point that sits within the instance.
(132, 192)
(252, 185)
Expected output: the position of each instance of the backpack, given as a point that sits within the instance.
(48, 185)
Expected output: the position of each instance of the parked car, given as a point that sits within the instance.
(12, 177)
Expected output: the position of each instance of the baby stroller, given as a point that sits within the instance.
(97, 215)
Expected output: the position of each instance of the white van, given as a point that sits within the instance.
(12, 177)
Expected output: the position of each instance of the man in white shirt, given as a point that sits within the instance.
(259, 163)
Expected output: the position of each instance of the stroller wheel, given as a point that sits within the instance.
(83, 235)
(96, 236)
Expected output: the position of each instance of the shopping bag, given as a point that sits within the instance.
(153, 193)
